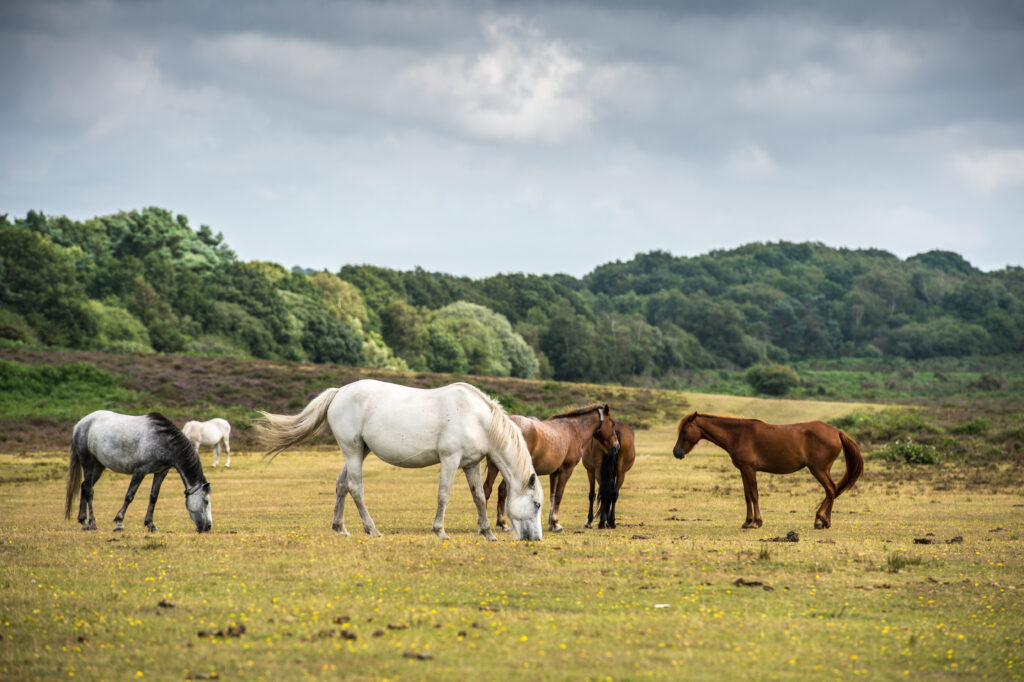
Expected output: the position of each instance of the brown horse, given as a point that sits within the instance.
(777, 449)
(612, 468)
(556, 446)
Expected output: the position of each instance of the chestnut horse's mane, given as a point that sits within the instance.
(576, 413)
(693, 415)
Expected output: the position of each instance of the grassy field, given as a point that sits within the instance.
(677, 590)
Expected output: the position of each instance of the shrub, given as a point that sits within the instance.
(910, 452)
(772, 379)
(974, 427)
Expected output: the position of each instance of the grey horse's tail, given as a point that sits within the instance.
(74, 479)
(280, 431)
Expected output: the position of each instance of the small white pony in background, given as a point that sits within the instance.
(215, 432)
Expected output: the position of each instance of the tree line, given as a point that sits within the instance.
(145, 281)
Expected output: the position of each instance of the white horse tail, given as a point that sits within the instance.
(281, 431)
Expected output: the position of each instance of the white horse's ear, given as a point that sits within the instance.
(532, 482)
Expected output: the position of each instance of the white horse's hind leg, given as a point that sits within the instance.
(354, 465)
(477, 489)
(449, 465)
(227, 450)
(216, 454)
(340, 492)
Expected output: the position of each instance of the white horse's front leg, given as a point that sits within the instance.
(449, 465)
(476, 488)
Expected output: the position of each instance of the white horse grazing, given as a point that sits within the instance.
(455, 426)
(215, 432)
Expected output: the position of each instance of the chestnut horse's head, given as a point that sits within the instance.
(689, 434)
(605, 434)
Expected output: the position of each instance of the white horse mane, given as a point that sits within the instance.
(505, 435)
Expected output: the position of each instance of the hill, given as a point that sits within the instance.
(145, 281)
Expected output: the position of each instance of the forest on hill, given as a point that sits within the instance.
(146, 281)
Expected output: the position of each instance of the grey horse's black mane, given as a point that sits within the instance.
(184, 454)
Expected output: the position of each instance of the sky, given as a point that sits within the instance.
(478, 138)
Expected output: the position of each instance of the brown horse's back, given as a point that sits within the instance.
(549, 443)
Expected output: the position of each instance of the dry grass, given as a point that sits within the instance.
(657, 597)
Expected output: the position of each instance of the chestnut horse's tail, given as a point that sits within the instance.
(854, 463)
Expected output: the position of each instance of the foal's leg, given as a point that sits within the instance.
(449, 465)
(158, 479)
(128, 497)
(354, 465)
(590, 511)
(340, 492)
(749, 475)
(823, 517)
(477, 489)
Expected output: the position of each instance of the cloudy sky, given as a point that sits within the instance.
(475, 138)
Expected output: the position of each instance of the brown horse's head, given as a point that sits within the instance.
(689, 434)
(605, 434)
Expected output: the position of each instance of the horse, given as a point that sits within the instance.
(556, 447)
(456, 426)
(612, 468)
(755, 446)
(215, 432)
(126, 444)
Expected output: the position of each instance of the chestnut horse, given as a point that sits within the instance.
(556, 446)
(777, 449)
(612, 468)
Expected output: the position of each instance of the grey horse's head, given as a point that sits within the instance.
(523, 510)
(197, 501)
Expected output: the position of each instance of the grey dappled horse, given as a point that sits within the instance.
(138, 446)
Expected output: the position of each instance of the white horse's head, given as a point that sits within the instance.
(523, 510)
(197, 501)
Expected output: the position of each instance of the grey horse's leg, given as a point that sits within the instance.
(128, 497)
(340, 492)
(216, 454)
(154, 492)
(227, 450)
(477, 490)
(354, 465)
(449, 465)
(91, 474)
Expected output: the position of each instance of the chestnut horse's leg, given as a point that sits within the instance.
(749, 474)
(502, 496)
(823, 517)
(556, 498)
(492, 474)
(591, 474)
